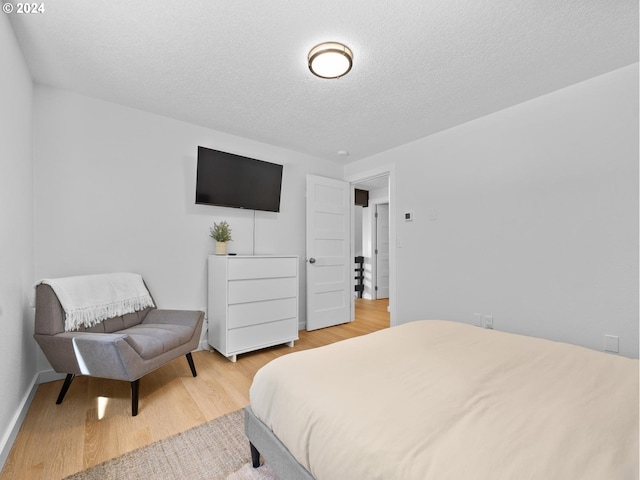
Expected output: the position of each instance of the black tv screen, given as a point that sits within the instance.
(229, 180)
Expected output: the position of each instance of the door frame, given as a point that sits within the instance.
(353, 179)
(374, 231)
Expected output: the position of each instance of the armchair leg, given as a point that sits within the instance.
(135, 387)
(191, 364)
(65, 387)
(255, 456)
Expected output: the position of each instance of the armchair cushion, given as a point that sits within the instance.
(152, 340)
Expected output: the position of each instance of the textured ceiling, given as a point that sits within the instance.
(420, 66)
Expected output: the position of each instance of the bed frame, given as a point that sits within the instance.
(263, 440)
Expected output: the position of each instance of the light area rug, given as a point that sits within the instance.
(215, 450)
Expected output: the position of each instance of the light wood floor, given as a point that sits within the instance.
(94, 422)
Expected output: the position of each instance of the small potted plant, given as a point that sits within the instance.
(221, 233)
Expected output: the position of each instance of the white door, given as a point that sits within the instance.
(328, 252)
(382, 250)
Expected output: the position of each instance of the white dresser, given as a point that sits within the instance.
(252, 302)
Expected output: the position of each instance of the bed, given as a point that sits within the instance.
(444, 400)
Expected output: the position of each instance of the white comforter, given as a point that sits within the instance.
(441, 400)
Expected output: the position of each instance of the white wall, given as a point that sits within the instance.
(17, 348)
(115, 191)
(537, 216)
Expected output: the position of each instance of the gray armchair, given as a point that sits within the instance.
(121, 348)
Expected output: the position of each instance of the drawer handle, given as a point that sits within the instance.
(312, 260)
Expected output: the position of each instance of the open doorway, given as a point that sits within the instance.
(371, 240)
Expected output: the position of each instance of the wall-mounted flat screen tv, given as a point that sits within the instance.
(228, 180)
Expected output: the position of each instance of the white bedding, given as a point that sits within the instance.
(442, 400)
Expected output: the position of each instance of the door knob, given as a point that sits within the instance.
(312, 260)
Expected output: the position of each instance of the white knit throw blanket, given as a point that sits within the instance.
(89, 299)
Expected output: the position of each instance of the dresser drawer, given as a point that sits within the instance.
(256, 336)
(243, 291)
(240, 268)
(247, 314)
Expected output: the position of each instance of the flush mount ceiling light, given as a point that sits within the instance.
(330, 60)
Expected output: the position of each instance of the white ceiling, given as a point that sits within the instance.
(239, 66)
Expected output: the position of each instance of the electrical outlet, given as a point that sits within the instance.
(611, 343)
(487, 321)
(477, 319)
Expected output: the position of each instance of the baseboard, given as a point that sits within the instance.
(204, 345)
(49, 376)
(15, 424)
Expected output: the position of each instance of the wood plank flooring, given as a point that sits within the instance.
(94, 422)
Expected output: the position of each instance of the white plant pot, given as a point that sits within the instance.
(221, 248)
